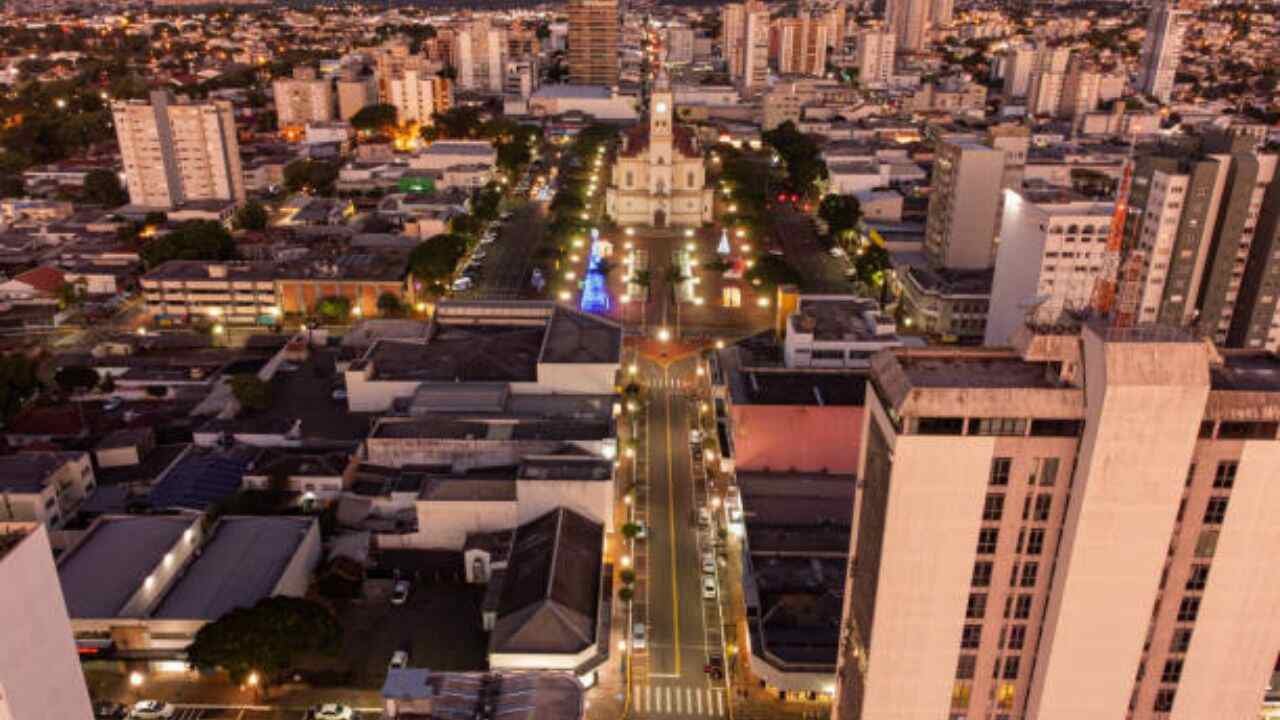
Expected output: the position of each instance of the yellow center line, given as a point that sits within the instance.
(671, 525)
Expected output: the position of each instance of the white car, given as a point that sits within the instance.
(708, 587)
(115, 402)
(339, 394)
(400, 593)
(399, 659)
(151, 710)
(638, 636)
(704, 517)
(708, 565)
(334, 711)
(462, 283)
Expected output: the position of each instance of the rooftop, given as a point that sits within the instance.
(206, 270)
(101, 572)
(28, 472)
(507, 696)
(834, 318)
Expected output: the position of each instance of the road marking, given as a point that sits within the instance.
(671, 526)
(666, 699)
(698, 700)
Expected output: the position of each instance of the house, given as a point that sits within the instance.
(40, 284)
(44, 487)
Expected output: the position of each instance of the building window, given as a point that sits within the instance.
(1225, 476)
(1017, 636)
(1022, 607)
(971, 637)
(1172, 671)
(1188, 609)
(1181, 640)
(1035, 541)
(1044, 502)
(1011, 667)
(981, 573)
(1046, 472)
(977, 606)
(966, 666)
(993, 508)
(998, 426)
(987, 538)
(1029, 572)
(689, 179)
(630, 179)
(940, 426)
(1216, 511)
(1000, 470)
(1056, 428)
(1164, 700)
(1198, 578)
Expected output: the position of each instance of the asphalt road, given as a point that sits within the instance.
(676, 685)
(505, 274)
(819, 272)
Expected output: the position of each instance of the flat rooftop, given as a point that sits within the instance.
(799, 387)
(199, 270)
(239, 565)
(27, 472)
(835, 318)
(479, 430)
(102, 571)
(1247, 371)
(459, 147)
(977, 369)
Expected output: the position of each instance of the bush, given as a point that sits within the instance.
(73, 378)
(626, 594)
(630, 530)
(627, 576)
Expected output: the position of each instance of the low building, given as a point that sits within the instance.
(44, 487)
(444, 154)
(38, 659)
(236, 292)
(418, 694)
(598, 101)
(146, 584)
(948, 304)
(833, 331)
(361, 278)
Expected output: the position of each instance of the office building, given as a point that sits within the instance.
(418, 96)
(941, 12)
(480, 55)
(801, 45)
(1017, 64)
(1079, 89)
(40, 673)
(1048, 74)
(745, 42)
(679, 45)
(909, 20)
(178, 152)
(964, 205)
(875, 50)
(593, 42)
(303, 98)
(1044, 573)
(1161, 49)
(1049, 259)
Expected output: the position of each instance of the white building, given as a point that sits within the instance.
(176, 152)
(1161, 50)
(418, 95)
(480, 55)
(303, 99)
(447, 153)
(875, 57)
(44, 487)
(1049, 259)
(598, 101)
(836, 331)
(1016, 65)
(40, 674)
(909, 20)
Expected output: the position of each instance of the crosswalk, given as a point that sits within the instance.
(685, 700)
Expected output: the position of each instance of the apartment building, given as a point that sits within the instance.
(303, 98)
(593, 42)
(355, 92)
(480, 55)
(1016, 65)
(909, 20)
(1050, 257)
(963, 208)
(1079, 89)
(40, 673)
(1161, 49)
(418, 95)
(44, 487)
(1048, 75)
(745, 43)
(186, 290)
(1011, 558)
(176, 152)
(875, 50)
(801, 45)
(680, 41)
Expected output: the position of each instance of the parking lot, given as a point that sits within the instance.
(191, 712)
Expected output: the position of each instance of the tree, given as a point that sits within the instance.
(102, 187)
(389, 305)
(250, 391)
(801, 154)
(71, 294)
(18, 382)
(870, 264)
(374, 118)
(73, 378)
(334, 309)
(771, 271)
(266, 638)
(434, 260)
(191, 240)
(314, 177)
(251, 216)
(840, 212)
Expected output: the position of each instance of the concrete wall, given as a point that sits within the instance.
(583, 378)
(364, 395)
(1017, 275)
(590, 498)
(532, 661)
(297, 574)
(445, 525)
(40, 675)
(806, 438)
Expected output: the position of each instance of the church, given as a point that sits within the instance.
(659, 178)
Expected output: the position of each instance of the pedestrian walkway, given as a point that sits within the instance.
(657, 700)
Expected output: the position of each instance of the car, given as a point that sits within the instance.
(708, 587)
(714, 667)
(642, 532)
(487, 239)
(399, 659)
(695, 436)
(334, 711)
(708, 565)
(838, 252)
(505, 216)
(400, 592)
(638, 636)
(115, 402)
(704, 517)
(109, 710)
(288, 367)
(151, 710)
(462, 283)
(339, 394)
(479, 255)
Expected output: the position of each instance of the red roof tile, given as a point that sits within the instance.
(44, 279)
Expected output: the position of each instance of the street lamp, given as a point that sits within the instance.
(565, 296)
(135, 679)
(664, 335)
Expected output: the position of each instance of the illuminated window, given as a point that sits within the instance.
(1004, 695)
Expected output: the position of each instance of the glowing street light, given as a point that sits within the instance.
(136, 679)
(420, 306)
(571, 275)
(219, 329)
(565, 296)
(688, 232)
(719, 344)
(762, 302)
(626, 561)
(664, 335)
(633, 369)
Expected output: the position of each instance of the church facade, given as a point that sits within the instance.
(659, 178)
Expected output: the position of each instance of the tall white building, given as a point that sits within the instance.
(480, 56)
(1079, 89)
(964, 205)
(40, 675)
(417, 96)
(1047, 78)
(875, 57)
(1048, 260)
(744, 40)
(941, 12)
(909, 20)
(1161, 50)
(176, 152)
(1018, 62)
(303, 99)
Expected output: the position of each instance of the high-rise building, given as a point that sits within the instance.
(390, 60)
(40, 674)
(745, 43)
(1049, 258)
(964, 204)
(836, 19)
(1017, 64)
(480, 55)
(909, 20)
(1161, 49)
(801, 45)
(303, 98)
(679, 45)
(941, 12)
(875, 50)
(593, 42)
(1045, 558)
(417, 97)
(1079, 89)
(1193, 218)
(1047, 78)
(355, 92)
(175, 152)
(733, 32)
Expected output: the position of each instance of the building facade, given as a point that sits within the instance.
(417, 96)
(593, 42)
(176, 152)
(1161, 49)
(303, 98)
(962, 225)
(875, 51)
(745, 44)
(801, 45)
(909, 20)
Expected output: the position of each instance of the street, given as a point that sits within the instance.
(253, 712)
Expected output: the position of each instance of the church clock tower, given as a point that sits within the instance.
(661, 137)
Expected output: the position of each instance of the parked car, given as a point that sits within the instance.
(642, 533)
(715, 667)
(400, 592)
(638, 636)
(334, 711)
(115, 402)
(151, 710)
(399, 659)
(109, 710)
(339, 394)
(708, 565)
(704, 517)
(462, 283)
(708, 587)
